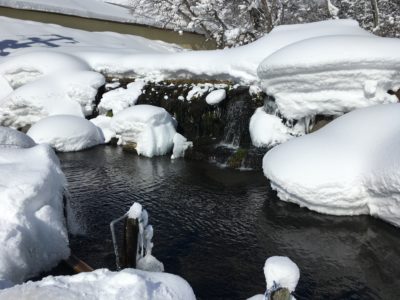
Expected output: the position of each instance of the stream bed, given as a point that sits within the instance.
(215, 228)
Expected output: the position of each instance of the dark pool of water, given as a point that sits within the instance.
(216, 227)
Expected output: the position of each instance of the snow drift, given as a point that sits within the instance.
(11, 138)
(103, 284)
(332, 75)
(33, 237)
(349, 167)
(66, 133)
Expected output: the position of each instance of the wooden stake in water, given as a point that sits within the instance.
(131, 238)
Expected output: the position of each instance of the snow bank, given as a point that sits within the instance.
(216, 97)
(267, 130)
(105, 285)
(140, 57)
(66, 133)
(348, 167)
(121, 98)
(151, 128)
(11, 138)
(332, 75)
(41, 84)
(32, 229)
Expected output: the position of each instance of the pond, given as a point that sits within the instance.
(186, 40)
(215, 228)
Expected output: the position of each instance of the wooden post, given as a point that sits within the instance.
(130, 242)
(281, 294)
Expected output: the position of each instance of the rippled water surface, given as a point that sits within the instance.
(216, 227)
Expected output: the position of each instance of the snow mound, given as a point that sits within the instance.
(66, 133)
(11, 138)
(348, 167)
(310, 77)
(267, 130)
(150, 128)
(216, 97)
(103, 284)
(32, 228)
(121, 98)
(281, 271)
(104, 124)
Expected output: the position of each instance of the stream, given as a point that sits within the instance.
(215, 228)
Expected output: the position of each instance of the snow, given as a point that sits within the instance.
(32, 228)
(11, 138)
(349, 167)
(121, 98)
(267, 130)
(216, 97)
(103, 284)
(42, 84)
(66, 133)
(151, 128)
(135, 211)
(104, 124)
(332, 75)
(281, 271)
(181, 144)
(95, 9)
(112, 53)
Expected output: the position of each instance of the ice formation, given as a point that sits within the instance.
(332, 75)
(66, 133)
(348, 167)
(181, 144)
(150, 128)
(11, 138)
(32, 226)
(216, 96)
(121, 98)
(103, 284)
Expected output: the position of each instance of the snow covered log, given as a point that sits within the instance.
(33, 236)
(332, 75)
(66, 133)
(349, 167)
(105, 285)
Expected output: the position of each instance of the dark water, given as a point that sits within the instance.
(216, 227)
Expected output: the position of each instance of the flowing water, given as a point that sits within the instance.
(215, 227)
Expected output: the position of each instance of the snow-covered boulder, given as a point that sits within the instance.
(216, 97)
(332, 75)
(103, 284)
(121, 98)
(12, 138)
(33, 237)
(66, 133)
(150, 128)
(349, 167)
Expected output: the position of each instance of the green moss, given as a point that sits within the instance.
(110, 113)
(235, 161)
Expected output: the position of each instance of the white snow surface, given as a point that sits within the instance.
(66, 133)
(216, 97)
(267, 130)
(332, 75)
(114, 53)
(181, 144)
(151, 128)
(33, 236)
(282, 271)
(11, 138)
(103, 284)
(121, 98)
(104, 124)
(349, 167)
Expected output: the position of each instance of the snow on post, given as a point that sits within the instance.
(281, 272)
(66, 133)
(349, 167)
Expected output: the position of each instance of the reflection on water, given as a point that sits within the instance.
(187, 40)
(216, 227)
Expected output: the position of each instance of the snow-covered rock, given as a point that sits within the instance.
(66, 133)
(33, 236)
(151, 128)
(349, 167)
(121, 98)
(332, 75)
(281, 271)
(103, 284)
(104, 124)
(216, 97)
(11, 138)
(267, 130)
